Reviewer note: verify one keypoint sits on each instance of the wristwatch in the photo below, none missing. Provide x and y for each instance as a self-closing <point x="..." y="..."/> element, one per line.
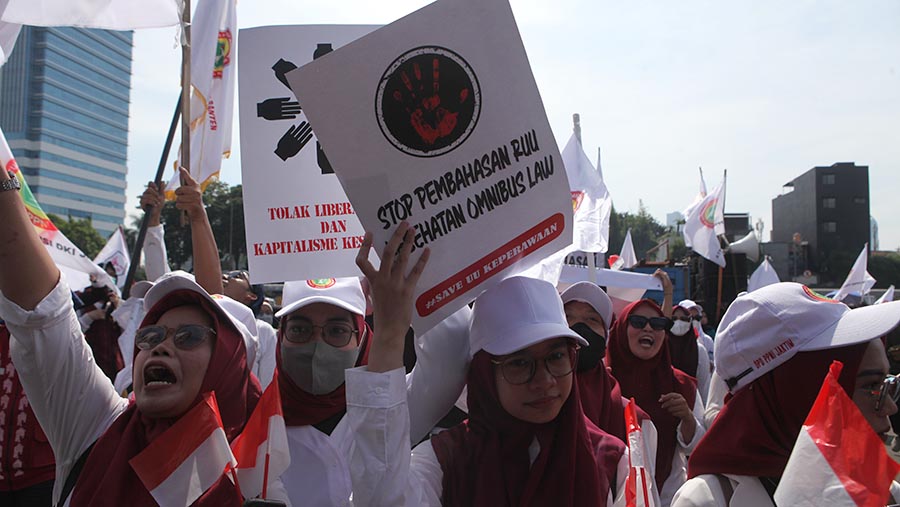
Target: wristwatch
<point x="11" y="184"/>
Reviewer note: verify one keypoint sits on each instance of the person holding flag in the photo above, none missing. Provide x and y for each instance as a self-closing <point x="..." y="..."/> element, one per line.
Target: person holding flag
<point x="774" y="348"/>
<point x="188" y="352"/>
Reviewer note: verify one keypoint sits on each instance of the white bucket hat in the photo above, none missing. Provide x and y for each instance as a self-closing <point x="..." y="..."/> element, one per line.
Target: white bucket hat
<point x="344" y="293"/>
<point x="515" y="314"/>
<point x="764" y="328"/>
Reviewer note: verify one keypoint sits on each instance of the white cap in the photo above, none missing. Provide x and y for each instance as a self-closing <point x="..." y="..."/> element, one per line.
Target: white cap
<point x="181" y="280"/>
<point x="243" y="315"/>
<point x="689" y="304"/>
<point x="344" y="293"/>
<point x="515" y="314"/>
<point x="590" y="293"/>
<point x="766" y="327"/>
<point x="139" y="289"/>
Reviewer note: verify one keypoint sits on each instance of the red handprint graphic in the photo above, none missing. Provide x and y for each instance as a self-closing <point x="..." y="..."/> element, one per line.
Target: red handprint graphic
<point x="428" y="102"/>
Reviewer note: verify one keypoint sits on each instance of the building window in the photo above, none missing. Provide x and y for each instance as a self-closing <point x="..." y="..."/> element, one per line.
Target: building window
<point x="828" y="179"/>
<point x="829" y="202"/>
<point x="859" y="200"/>
<point x="829" y="226"/>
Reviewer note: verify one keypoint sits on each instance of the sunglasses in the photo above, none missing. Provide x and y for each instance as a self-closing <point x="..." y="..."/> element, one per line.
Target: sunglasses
<point x="656" y="323"/>
<point x="336" y="334"/>
<point x="186" y="337"/>
<point x="518" y="370"/>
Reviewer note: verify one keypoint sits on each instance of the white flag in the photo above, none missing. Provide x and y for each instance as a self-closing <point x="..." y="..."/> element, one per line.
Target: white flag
<point x="8" y="34"/>
<point x="858" y="280"/>
<point x="627" y="258"/>
<point x="700" y="227"/>
<point x="115" y="252"/>
<point x="887" y="297"/>
<point x="109" y="14"/>
<point x="696" y="202"/>
<point x="764" y="275"/>
<point x="213" y="58"/>
<point x="590" y="200"/>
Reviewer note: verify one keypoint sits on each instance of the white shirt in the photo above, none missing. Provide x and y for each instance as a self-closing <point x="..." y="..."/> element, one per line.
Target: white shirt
<point x="156" y="261"/>
<point x="703" y="373"/>
<point x="679" y="460"/>
<point x="706" y="491"/>
<point x="715" y="400"/>
<point x="264" y="365"/>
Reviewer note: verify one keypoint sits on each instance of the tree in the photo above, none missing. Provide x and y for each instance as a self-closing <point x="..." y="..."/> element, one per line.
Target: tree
<point x="81" y="233"/>
<point x="885" y="269"/>
<point x="645" y="231"/>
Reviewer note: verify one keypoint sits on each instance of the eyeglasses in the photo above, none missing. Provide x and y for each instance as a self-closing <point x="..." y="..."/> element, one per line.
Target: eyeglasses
<point x="336" y="334"/>
<point x="890" y="386"/>
<point x="657" y="323"/>
<point x="520" y="370"/>
<point x="187" y="337"/>
<point x="240" y="274"/>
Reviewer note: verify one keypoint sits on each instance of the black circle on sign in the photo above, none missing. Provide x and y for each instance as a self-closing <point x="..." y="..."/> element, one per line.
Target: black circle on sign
<point x="428" y="101"/>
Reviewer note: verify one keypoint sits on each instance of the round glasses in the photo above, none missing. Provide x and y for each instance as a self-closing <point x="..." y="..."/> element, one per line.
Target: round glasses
<point x="518" y="370"/>
<point x="336" y="334"/>
<point x="890" y="386"/>
<point x="656" y="323"/>
<point x="186" y="337"/>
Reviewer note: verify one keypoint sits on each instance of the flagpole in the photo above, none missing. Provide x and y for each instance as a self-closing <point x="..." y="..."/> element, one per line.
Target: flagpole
<point x="592" y="264"/>
<point x="186" y="94"/>
<point x="145" y="222"/>
<point x="719" y="296"/>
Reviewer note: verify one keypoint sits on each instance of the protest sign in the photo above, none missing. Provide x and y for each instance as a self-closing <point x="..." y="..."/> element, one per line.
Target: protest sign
<point x="299" y="223"/>
<point x="436" y="120"/>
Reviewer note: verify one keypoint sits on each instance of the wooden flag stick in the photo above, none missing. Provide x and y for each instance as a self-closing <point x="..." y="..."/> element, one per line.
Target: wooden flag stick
<point x="186" y="94"/>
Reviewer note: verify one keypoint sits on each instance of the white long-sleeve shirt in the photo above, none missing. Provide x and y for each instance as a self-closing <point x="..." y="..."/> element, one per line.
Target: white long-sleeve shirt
<point x="322" y="466"/>
<point x="264" y="365"/>
<point x="679" y="460"/>
<point x="156" y="261"/>
<point x="707" y="491"/>
<point x="392" y="475"/>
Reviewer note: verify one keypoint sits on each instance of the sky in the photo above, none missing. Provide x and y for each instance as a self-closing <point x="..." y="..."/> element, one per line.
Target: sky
<point x="764" y="89"/>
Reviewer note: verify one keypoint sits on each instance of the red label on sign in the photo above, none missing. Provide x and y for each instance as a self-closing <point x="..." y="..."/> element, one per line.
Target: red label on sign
<point x="522" y="245"/>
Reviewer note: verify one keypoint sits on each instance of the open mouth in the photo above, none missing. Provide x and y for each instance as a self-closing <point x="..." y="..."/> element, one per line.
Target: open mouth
<point x="158" y="375"/>
<point x="646" y="341"/>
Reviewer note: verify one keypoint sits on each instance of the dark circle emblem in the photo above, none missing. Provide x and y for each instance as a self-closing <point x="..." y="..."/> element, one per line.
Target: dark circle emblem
<point x="428" y="102"/>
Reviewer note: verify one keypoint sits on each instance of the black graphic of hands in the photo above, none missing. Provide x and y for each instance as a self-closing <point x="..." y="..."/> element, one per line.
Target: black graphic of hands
<point x="293" y="140"/>
<point x="281" y="68"/>
<point x="278" y="109"/>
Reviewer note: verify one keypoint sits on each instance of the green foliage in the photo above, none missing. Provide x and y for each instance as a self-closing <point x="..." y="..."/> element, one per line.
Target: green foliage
<point x="81" y="233"/>
<point x="885" y="269"/>
<point x="645" y="231"/>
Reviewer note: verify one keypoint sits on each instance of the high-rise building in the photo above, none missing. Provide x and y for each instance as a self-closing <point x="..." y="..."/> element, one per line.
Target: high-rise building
<point x="64" y="98"/>
<point x="824" y="217"/>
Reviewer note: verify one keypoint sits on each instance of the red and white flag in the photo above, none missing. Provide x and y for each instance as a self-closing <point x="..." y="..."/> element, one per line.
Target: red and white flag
<point x="262" y="448"/>
<point x="639" y="490"/>
<point x="188" y="458"/>
<point x="838" y="460"/>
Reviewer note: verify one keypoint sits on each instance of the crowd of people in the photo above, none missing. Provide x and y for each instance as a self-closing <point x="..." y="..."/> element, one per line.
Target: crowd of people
<point x="541" y="381"/>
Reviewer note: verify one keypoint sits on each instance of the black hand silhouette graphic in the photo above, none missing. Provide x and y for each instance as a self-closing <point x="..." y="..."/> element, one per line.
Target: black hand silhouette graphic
<point x="293" y="140"/>
<point x="281" y="68"/>
<point x="278" y="109"/>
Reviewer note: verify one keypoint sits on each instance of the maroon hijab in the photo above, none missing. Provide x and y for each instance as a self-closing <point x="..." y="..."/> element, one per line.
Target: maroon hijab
<point x="304" y="409"/>
<point x="485" y="460"/>
<point x="602" y="401"/>
<point x="757" y="428"/>
<point x="107" y="477"/>
<point x="646" y="381"/>
<point x="683" y="349"/>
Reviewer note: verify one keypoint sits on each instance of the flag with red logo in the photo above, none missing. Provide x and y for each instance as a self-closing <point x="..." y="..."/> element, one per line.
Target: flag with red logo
<point x="639" y="489"/>
<point x="188" y="458"/>
<point x="591" y="203"/>
<point x="838" y="458"/>
<point x="701" y="223"/>
<point x="213" y="59"/>
<point x="262" y="448"/>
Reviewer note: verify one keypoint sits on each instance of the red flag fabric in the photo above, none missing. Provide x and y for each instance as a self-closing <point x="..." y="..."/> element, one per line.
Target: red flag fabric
<point x="838" y="459"/>
<point x="639" y="490"/>
<point x="261" y="449"/>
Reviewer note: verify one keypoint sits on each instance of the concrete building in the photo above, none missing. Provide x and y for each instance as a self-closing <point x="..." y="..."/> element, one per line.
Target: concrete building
<point x="824" y="217"/>
<point x="64" y="100"/>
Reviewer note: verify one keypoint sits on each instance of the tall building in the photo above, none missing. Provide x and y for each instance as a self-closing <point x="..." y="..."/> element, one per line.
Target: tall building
<point x="64" y="98"/>
<point x="824" y="217"/>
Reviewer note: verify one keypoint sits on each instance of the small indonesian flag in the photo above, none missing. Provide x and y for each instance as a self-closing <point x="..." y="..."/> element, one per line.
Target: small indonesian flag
<point x="639" y="488"/>
<point x="838" y="459"/>
<point x="188" y="458"/>
<point x="262" y="448"/>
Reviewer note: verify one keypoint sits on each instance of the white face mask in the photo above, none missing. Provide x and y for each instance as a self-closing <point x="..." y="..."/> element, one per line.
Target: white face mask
<point x="680" y="328"/>
<point x="316" y="367"/>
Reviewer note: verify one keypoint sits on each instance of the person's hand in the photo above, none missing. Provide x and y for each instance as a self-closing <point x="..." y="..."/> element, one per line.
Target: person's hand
<point x="114" y="299"/>
<point x="189" y="198"/>
<point x="677" y="406"/>
<point x="667" y="291"/>
<point x="392" y="292"/>
<point x="97" y="314"/>
<point x="152" y="201"/>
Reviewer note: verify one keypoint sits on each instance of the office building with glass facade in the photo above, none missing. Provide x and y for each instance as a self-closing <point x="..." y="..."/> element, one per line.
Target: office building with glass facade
<point x="64" y="98"/>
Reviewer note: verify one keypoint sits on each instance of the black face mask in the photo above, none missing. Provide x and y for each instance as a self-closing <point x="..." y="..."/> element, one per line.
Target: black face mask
<point x="589" y="357"/>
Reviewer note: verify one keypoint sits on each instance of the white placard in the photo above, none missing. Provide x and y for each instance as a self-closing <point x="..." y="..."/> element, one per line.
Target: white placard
<point x="436" y="119"/>
<point x="299" y="222"/>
